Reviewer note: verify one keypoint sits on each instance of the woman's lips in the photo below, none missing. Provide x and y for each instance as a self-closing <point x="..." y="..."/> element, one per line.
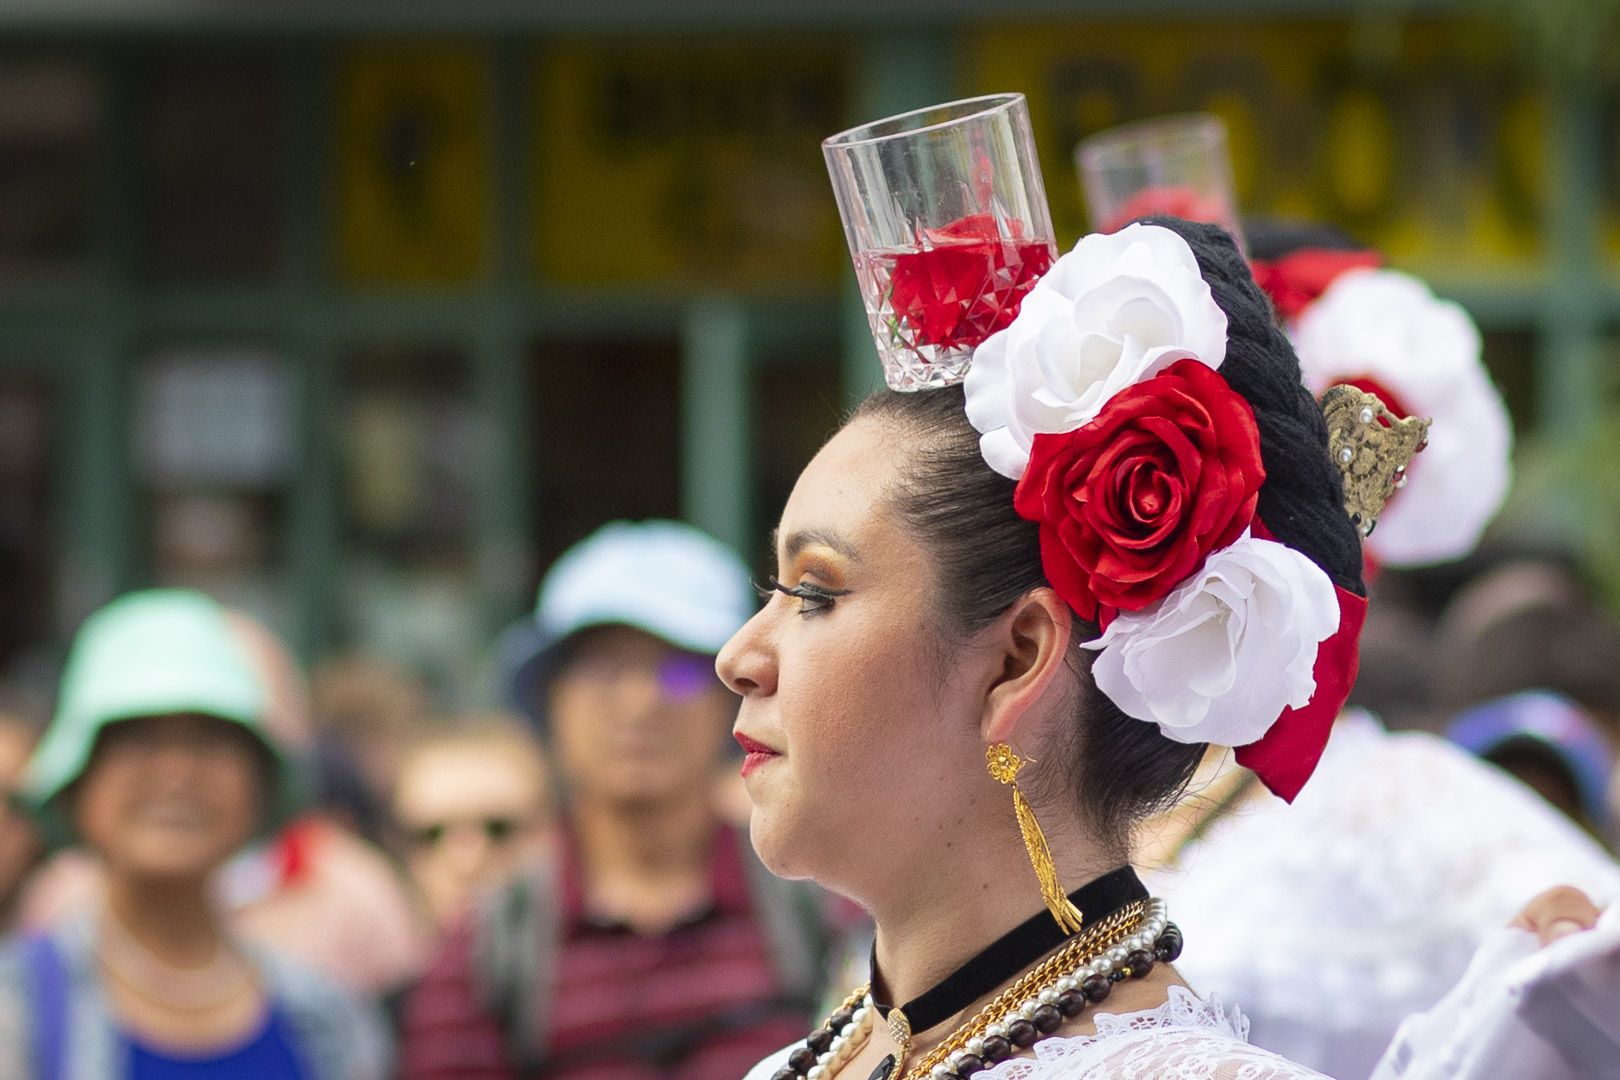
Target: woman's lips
<point x="758" y="753"/>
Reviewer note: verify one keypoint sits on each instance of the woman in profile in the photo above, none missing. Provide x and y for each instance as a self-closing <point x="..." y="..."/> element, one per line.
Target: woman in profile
<point x="158" y="762"/>
<point x="996" y="640"/>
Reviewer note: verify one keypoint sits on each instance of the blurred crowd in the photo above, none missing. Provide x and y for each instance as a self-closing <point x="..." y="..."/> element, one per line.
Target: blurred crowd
<point x="208" y="846"/>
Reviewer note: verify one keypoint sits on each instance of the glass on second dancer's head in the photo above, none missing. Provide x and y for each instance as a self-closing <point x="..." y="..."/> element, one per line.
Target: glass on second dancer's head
<point x="948" y="227"/>
<point x="1173" y="165"/>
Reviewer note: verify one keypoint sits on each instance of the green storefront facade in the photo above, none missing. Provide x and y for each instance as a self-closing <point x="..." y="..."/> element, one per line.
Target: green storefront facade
<point x="357" y="313"/>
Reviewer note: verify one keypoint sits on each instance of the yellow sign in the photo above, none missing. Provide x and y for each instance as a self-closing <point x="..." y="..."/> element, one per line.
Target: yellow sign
<point x="413" y="174"/>
<point x="689" y="165"/>
<point x="1435" y="159"/>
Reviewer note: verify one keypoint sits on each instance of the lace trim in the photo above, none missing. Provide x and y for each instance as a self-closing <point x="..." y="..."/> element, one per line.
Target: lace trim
<point x="1119" y="1037"/>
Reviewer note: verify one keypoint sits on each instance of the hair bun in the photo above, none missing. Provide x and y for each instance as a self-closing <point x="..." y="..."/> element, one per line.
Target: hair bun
<point x="1302" y="500"/>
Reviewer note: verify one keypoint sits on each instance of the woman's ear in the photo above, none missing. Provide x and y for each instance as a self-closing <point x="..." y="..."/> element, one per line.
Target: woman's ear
<point x="1032" y="638"/>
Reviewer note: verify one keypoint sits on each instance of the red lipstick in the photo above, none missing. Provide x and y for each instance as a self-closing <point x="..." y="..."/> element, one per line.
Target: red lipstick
<point x="758" y="753"/>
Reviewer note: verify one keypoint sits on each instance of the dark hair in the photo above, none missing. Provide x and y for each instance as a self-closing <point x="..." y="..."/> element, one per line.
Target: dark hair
<point x="1119" y="768"/>
<point x="1275" y="238"/>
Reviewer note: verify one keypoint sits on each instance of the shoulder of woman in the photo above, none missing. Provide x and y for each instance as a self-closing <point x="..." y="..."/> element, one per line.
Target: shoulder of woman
<point x="25" y="960"/>
<point x="344" y="1033"/>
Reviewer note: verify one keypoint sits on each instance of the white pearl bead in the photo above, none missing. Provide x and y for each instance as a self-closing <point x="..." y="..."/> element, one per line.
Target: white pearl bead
<point x="848" y="1032"/>
<point x="1102" y="965"/>
<point x="818" y="1072"/>
<point x="1117" y="954"/>
<point x="998" y="1029"/>
<point x="825" y="1059"/>
<point x="1027" y="1009"/>
<point x="1048" y="996"/>
<point x="1067" y="984"/>
<point x="940" y="1072"/>
<point x="975" y="1046"/>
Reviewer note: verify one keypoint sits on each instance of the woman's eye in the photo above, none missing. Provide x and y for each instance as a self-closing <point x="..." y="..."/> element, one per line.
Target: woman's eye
<point x="812" y="598"/>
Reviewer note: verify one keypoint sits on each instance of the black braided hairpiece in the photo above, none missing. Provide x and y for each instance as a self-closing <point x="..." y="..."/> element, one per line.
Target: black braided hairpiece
<point x="1302" y="500"/>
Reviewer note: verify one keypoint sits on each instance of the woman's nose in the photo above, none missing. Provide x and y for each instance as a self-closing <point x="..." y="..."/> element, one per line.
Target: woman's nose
<point x="747" y="663"/>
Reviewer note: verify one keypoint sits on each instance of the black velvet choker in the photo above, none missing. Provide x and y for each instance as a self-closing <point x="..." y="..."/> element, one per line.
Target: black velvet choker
<point x="1011" y="953"/>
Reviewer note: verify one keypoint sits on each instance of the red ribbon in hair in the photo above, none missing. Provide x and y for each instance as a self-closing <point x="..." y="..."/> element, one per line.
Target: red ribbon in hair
<point x="1295" y="281"/>
<point x="1286" y="755"/>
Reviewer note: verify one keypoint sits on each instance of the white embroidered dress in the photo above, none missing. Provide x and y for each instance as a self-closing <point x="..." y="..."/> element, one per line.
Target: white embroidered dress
<point x="1332" y="920"/>
<point x="1184" y="1039"/>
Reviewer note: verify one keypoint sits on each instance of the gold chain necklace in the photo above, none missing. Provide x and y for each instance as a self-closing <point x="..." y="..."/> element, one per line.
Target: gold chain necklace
<point x="1094" y="942"/>
<point x="128" y="960"/>
<point x="1127" y="943"/>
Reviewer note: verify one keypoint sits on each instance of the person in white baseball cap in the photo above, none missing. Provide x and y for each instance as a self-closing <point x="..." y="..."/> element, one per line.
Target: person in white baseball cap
<point x="666" y="579"/>
<point x="653" y="892"/>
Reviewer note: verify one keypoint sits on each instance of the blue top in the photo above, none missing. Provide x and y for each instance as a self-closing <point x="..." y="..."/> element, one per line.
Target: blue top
<point x="268" y="1055"/>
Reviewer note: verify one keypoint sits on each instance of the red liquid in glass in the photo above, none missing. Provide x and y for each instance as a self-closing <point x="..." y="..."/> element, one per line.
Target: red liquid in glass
<point x="954" y="293"/>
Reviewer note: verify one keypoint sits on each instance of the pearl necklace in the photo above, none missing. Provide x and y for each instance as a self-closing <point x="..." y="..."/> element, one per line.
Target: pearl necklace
<point x="1126" y="944"/>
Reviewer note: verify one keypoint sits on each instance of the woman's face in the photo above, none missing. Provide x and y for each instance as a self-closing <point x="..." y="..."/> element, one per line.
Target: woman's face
<point x="635" y="720"/>
<point x="869" y="720"/>
<point x="170" y="796"/>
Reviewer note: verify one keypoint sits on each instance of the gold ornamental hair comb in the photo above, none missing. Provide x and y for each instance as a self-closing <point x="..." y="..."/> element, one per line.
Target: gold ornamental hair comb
<point x="1372" y="448"/>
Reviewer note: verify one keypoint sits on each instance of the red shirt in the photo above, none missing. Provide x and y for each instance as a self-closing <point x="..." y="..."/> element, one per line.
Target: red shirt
<point x="696" y="1003"/>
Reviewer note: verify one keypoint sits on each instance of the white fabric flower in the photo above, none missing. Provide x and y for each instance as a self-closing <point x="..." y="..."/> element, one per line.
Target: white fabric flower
<point x="1387" y="326"/>
<point x="1118" y="309"/>
<point x="1220" y="657"/>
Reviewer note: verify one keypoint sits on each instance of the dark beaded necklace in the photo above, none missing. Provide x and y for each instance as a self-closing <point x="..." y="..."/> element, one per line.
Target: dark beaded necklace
<point x="1036" y="1018"/>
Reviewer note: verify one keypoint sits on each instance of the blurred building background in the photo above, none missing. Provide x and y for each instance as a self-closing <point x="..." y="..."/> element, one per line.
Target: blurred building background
<point x="356" y="313"/>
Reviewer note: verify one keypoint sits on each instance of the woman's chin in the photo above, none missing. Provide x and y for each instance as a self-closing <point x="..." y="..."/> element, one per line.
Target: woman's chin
<point x="774" y="846"/>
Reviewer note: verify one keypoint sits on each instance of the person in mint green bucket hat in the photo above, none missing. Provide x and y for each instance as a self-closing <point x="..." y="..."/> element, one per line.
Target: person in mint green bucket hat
<point x="157" y="761"/>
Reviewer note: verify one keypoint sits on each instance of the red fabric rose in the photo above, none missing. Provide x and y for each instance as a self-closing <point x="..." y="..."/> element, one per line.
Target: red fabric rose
<point x="1131" y="503"/>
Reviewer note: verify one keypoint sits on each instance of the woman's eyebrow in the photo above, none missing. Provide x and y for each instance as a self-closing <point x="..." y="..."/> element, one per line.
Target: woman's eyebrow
<point x="796" y="542"/>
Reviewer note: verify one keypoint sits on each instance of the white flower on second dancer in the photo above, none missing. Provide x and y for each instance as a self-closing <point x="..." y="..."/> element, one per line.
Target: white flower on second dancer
<point x="1387" y="326"/>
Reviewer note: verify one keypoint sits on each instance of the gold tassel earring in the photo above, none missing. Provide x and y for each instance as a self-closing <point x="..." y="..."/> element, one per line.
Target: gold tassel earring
<point x="1004" y="764"/>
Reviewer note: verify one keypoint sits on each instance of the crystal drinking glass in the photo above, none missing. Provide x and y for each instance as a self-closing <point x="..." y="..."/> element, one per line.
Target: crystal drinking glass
<point x="948" y="226"/>
<point x="1175" y="165"/>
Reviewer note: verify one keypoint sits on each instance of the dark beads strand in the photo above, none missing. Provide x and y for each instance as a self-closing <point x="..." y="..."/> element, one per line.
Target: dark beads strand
<point x="1168" y="947"/>
<point x="1021" y="1033"/>
<point x="1071" y="1003"/>
<point x="818" y="1042"/>
<point x="1047" y="1019"/>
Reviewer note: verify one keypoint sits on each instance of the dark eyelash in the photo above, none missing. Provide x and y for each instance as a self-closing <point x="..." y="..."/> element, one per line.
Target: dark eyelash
<point x="803" y="591"/>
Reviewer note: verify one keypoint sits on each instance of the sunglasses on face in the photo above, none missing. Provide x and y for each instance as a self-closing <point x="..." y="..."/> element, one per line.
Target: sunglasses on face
<point x="681" y="677"/>
<point x="498" y="831"/>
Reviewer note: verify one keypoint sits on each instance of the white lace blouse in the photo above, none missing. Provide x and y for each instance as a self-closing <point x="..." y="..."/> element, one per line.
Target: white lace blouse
<point x="1184" y="1039"/>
